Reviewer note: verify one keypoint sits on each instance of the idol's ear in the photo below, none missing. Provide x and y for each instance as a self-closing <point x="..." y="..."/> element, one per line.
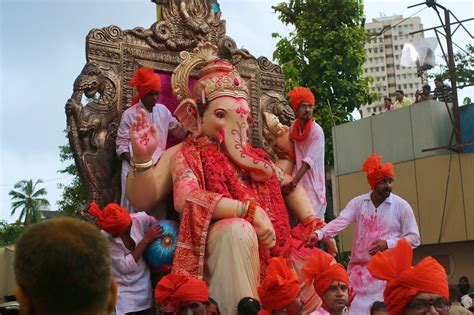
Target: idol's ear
<point x="187" y="114"/>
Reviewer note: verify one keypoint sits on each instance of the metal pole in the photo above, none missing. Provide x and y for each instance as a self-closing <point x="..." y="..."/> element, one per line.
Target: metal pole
<point x="452" y="75"/>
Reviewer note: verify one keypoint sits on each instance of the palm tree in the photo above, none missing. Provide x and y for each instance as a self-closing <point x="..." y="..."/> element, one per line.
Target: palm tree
<point x="28" y="199"/>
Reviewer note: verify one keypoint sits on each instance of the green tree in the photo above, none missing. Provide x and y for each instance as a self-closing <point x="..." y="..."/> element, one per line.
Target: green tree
<point x="325" y="52"/>
<point x="74" y="194"/>
<point x="9" y="233"/>
<point x="464" y="62"/>
<point x="27" y="197"/>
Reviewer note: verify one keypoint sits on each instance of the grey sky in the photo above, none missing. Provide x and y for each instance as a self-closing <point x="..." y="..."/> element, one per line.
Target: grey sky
<point x="42" y="52"/>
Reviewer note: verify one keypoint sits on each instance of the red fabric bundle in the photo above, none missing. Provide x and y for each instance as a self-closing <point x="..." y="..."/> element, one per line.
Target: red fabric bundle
<point x="321" y="270"/>
<point x="280" y="286"/>
<point x="175" y="288"/>
<point x="405" y="281"/>
<point x="146" y="80"/>
<point x="375" y="170"/>
<point x="300" y="94"/>
<point x="113" y="218"/>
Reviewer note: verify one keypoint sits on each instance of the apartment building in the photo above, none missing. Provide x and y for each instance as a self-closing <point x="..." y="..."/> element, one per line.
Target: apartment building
<point x="383" y="60"/>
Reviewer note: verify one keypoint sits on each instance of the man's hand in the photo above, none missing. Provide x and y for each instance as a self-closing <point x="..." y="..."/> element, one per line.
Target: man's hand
<point x="153" y="233"/>
<point x="311" y="240"/>
<point x="288" y="188"/>
<point x="126" y="156"/>
<point x="379" y="245"/>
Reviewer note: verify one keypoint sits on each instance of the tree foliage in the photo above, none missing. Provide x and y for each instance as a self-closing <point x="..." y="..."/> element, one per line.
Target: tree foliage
<point x="464" y="62"/>
<point x="325" y="52"/>
<point x="27" y="197"/>
<point x="74" y="194"/>
<point x="9" y="233"/>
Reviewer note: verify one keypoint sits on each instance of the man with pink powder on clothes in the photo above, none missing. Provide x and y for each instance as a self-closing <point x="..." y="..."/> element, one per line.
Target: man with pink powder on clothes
<point x="381" y="218"/>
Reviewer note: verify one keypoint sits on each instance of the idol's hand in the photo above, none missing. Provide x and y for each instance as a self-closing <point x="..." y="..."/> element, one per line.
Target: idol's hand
<point x="143" y="137"/>
<point x="264" y="228"/>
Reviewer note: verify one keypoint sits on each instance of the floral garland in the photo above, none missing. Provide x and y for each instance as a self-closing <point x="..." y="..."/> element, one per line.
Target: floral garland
<point x="221" y="177"/>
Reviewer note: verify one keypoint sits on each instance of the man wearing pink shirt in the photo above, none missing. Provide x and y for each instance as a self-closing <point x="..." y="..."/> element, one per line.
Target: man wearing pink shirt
<point x="308" y="138"/>
<point x="381" y="218"/>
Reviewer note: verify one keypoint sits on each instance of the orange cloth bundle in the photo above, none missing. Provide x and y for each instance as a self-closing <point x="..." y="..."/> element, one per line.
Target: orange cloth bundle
<point x="375" y="170"/>
<point x="175" y="288"/>
<point x="300" y="94"/>
<point x="146" y="80"/>
<point x="321" y="271"/>
<point x="405" y="281"/>
<point x="113" y="218"/>
<point x="279" y="288"/>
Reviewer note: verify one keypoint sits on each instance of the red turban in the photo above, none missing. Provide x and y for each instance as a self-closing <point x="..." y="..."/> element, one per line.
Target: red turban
<point x="321" y="270"/>
<point x="280" y="286"/>
<point x="376" y="171"/>
<point x="300" y="94"/>
<point x="113" y="218"/>
<point x="146" y="80"/>
<point x="175" y="288"/>
<point x="405" y="281"/>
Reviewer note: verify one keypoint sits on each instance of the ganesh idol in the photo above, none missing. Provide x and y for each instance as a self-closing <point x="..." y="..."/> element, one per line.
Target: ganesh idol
<point x="233" y="217"/>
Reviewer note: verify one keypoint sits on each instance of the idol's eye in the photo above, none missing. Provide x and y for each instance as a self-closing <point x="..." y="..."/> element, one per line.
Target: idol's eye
<point x="219" y="114"/>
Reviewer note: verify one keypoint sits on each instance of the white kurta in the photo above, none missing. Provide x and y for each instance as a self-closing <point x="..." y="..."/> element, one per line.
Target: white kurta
<point x="135" y="293"/>
<point x="392" y="220"/>
<point x="164" y="121"/>
<point x="311" y="151"/>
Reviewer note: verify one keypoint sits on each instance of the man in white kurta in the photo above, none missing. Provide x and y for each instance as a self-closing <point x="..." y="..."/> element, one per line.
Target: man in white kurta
<point x="311" y="152"/>
<point x="133" y="277"/>
<point x="308" y="139"/>
<point x="381" y="218"/>
<point x="165" y="122"/>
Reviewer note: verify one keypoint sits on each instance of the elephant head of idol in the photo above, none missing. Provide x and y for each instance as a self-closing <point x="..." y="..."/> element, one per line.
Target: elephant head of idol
<point x="217" y="107"/>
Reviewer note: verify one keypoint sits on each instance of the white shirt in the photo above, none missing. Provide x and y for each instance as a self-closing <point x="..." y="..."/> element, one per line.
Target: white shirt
<point x="311" y="152"/>
<point x="392" y="220"/>
<point x="135" y="293"/>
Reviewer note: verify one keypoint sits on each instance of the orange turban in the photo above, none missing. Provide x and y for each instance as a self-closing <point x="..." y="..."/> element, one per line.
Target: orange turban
<point x="405" y="281"/>
<point x="300" y="94"/>
<point x="376" y="171"/>
<point x="322" y="271"/>
<point x="279" y="288"/>
<point x="175" y="288"/>
<point x="113" y="218"/>
<point x="146" y="80"/>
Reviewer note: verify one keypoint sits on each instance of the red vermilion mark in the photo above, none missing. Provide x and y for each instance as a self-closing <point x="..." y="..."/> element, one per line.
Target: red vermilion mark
<point x="144" y="139"/>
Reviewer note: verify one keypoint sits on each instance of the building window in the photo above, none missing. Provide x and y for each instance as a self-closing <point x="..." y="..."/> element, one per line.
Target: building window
<point x="390" y="65"/>
<point x="383" y="68"/>
<point x="391" y="75"/>
<point x="388" y="46"/>
<point x="392" y="85"/>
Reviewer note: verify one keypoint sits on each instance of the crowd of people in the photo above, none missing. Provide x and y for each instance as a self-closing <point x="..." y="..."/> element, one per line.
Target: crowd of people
<point x="87" y="271"/>
<point x="77" y="277"/>
<point x="442" y="93"/>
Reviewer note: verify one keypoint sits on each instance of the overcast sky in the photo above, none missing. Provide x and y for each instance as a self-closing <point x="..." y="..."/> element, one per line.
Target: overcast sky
<point x="42" y="51"/>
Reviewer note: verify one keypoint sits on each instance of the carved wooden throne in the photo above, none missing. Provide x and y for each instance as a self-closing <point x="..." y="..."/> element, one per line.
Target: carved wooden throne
<point x="113" y="55"/>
